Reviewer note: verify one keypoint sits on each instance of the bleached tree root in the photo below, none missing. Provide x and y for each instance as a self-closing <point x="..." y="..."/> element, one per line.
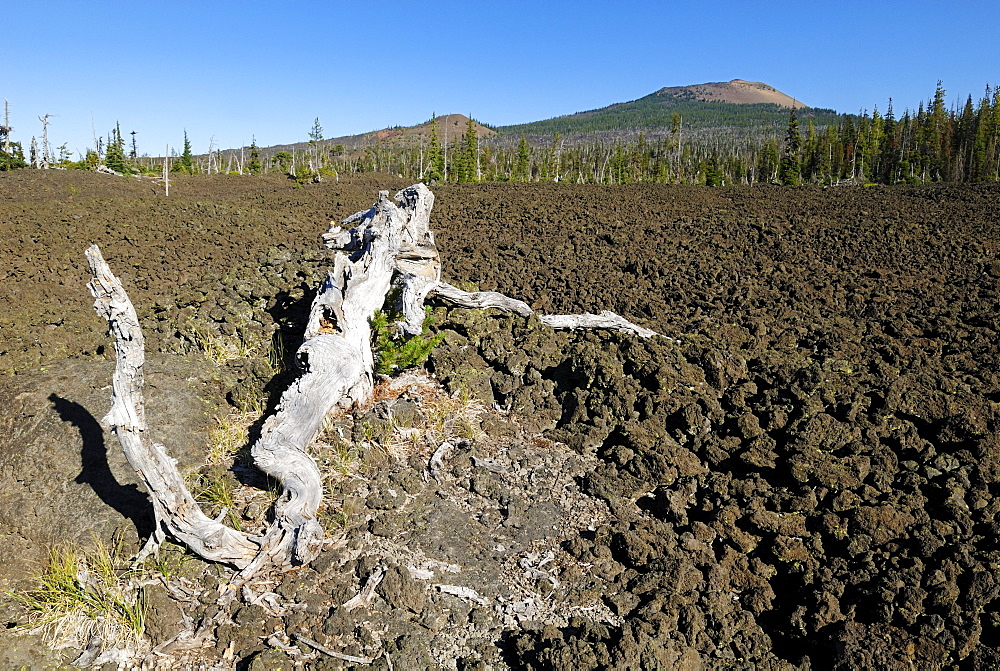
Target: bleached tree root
<point x="177" y="513"/>
<point x="336" y="358"/>
<point x="490" y="299"/>
<point x="480" y="299"/>
<point x="389" y="244"/>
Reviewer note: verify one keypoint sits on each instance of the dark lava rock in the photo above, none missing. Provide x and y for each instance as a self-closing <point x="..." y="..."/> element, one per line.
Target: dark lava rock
<point x="63" y="477"/>
<point x="807" y="476"/>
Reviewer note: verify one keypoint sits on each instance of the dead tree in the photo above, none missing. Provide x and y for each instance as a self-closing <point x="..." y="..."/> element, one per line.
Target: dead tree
<point x="166" y="172"/>
<point x="389" y="244"/>
<point x="46" y="151"/>
<point x="6" y="130"/>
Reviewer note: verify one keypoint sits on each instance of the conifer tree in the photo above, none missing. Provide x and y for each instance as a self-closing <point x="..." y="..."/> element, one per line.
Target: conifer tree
<point x="435" y="157"/>
<point x="888" y="160"/>
<point x="767" y="162"/>
<point x="521" y="173"/>
<point x="185" y="163"/>
<point x="675" y="131"/>
<point x="790" y="171"/>
<point x="12" y="158"/>
<point x="470" y="153"/>
<point x="980" y="146"/>
<point x="315" y="137"/>
<point x="935" y="135"/>
<point x="114" y="156"/>
<point x="316" y="134"/>
<point x="810" y="153"/>
<point x="254" y="167"/>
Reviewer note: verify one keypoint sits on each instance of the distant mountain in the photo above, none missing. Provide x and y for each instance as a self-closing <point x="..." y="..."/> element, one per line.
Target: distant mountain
<point x="732" y="107"/>
<point x="451" y="126"/>
<point x="736" y="91"/>
<point x="737" y="103"/>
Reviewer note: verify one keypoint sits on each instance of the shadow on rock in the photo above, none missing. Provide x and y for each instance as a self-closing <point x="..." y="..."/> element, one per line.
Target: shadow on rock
<point x="95" y="471"/>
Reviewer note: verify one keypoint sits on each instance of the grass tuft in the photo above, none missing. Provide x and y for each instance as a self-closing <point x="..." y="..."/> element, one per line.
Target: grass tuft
<point x="82" y="593"/>
<point x="220" y="350"/>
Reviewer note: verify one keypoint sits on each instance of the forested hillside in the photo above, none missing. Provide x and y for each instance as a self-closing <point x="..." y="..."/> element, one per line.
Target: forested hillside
<point x="657" y="111"/>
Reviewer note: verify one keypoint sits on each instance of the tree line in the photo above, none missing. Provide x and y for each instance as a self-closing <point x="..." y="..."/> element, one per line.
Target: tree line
<point x="933" y="144"/>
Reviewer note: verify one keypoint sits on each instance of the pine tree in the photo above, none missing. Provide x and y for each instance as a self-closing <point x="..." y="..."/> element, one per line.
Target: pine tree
<point x="993" y="161"/>
<point x="811" y="152"/>
<point x="555" y="158"/>
<point x="935" y="135"/>
<point x="285" y="161"/>
<point x="713" y="176"/>
<point x="254" y="167"/>
<point x="435" y="157"/>
<point x="790" y="170"/>
<point x="114" y="157"/>
<point x="767" y="162"/>
<point x="521" y="167"/>
<point x="470" y="153"/>
<point x="316" y="134"/>
<point x="675" y="132"/>
<point x="315" y="137"/>
<point x="984" y="131"/>
<point x="12" y="158"/>
<point x="888" y="161"/>
<point x="185" y="163"/>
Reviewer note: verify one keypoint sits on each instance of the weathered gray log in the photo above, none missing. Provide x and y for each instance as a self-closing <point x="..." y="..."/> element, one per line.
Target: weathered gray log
<point x="416" y="261"/>
<point x="480" y="299"/>
<point x="338" y="370"/>
<point x="606" y="320"/>
<point x="177" y="513"/>
<point x="336" y="358"/>
<point x="491" y="299"/>
<point x="391" y="242"/>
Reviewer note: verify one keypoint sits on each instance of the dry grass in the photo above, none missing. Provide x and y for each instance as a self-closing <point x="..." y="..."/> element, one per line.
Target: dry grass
<point x="82" y="593"/>
<point x="442" y="418"/>
<point x="229" y="443"/>
<point x="231" y="434"/>
<point x="223" y="349"/>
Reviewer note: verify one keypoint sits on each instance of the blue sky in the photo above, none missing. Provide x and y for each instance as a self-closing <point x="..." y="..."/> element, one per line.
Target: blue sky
<point x="227" y="71"/>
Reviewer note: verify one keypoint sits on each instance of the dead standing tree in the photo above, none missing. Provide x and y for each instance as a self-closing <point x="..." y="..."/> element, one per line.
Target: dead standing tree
<point x="390" y="244"/>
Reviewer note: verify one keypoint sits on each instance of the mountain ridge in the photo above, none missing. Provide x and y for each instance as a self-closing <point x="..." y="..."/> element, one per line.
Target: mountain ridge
<point x="738" y="103"/>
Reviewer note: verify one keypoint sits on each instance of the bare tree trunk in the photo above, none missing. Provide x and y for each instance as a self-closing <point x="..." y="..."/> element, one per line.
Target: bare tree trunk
<point x="97" y="143"/>
<point x="6" y="125"/>
<point x="46" y="152"/>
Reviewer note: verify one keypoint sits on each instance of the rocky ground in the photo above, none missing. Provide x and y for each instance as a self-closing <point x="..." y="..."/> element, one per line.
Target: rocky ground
<point x="803" y="474"/>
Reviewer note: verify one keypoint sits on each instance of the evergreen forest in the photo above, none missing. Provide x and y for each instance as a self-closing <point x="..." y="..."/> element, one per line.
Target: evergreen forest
<point x="698" y="143"/>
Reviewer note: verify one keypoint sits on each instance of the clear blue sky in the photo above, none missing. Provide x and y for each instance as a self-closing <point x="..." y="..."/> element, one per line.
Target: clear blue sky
<point x="233" y="70"/>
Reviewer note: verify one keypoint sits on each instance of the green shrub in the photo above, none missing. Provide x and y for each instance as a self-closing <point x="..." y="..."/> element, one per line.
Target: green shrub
<point x="392" y="354"/>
